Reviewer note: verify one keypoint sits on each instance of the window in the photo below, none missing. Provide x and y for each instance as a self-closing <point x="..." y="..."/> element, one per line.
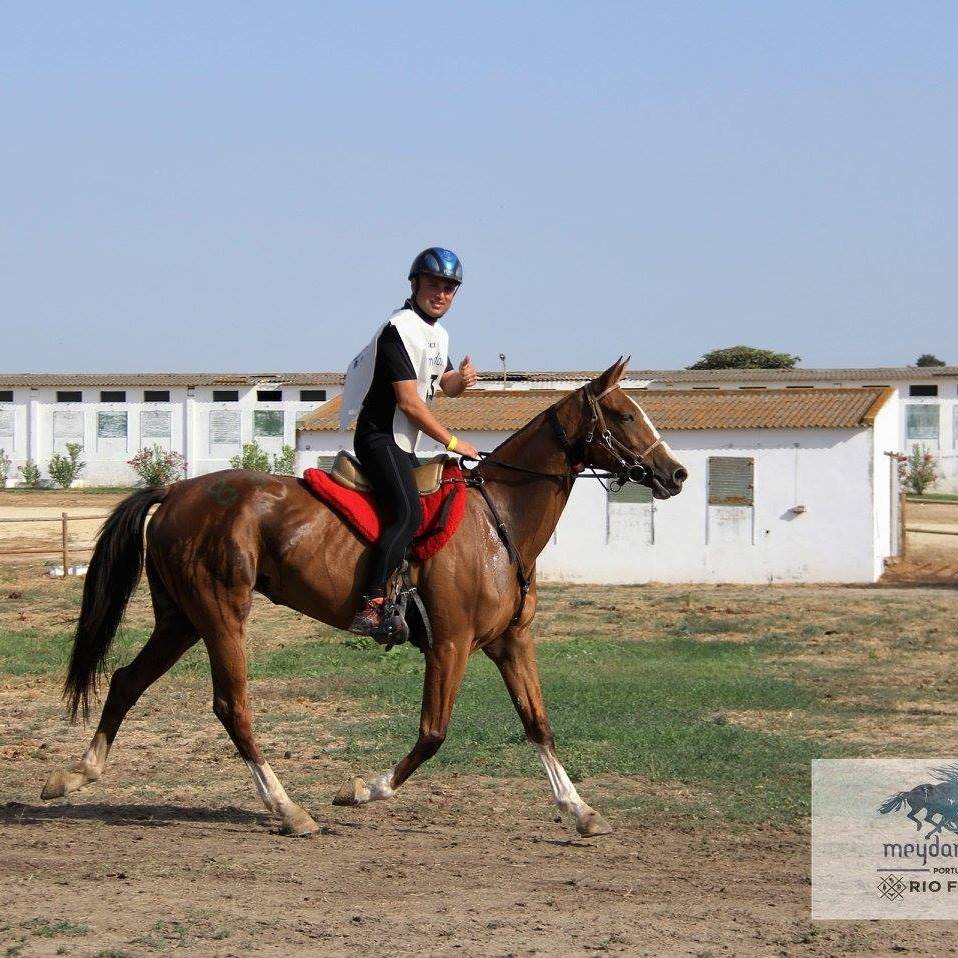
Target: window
<point x="156" y="395"/>
<point x="325" y="462"/>
<point x="921" y="422"/>
<point x="224" y="427"/>
<point x="312" y="395"/>
<point x="67" y="427"/>
<point x="923" y="389"/>
<point x="112" y="395"/>
<point x="68" y="395"/>
<point x="267" y="423"/>
<point x="731" y="481"/>
<point x="753" y="387"/>
<point x="799" y="387"/>
<point x="154" y="424"/>
<point x="6" y="424"/>
<point x="6" y="395"/>
<point x="111" y="425"/>
<point x="954" y="428"/>
<point x="632" y="492"/>
<point x="225" y="395"/>
<point x="269" y="395"/>
<point x="629" y="516"/>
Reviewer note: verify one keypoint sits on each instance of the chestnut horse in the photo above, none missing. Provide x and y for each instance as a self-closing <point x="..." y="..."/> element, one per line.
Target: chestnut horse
<point x="216" y="539"/>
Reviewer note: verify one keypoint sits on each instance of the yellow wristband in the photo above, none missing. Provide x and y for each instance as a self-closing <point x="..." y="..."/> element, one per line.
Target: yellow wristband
<point x="451" y="445"/>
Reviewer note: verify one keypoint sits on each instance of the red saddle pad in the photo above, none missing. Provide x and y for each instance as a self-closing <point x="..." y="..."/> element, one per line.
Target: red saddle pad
<point x="442" y="510"/>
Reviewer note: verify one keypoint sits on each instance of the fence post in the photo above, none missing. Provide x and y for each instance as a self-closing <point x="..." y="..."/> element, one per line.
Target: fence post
<point x="63" y="531"/>
<point x="902" y="531"/>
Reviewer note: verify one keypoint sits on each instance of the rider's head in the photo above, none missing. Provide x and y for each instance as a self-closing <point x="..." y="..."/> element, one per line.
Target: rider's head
<point x="435" y="276"/>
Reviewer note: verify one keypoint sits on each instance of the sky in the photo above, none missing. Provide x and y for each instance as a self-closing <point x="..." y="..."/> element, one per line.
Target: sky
<point x="242" y="186"/>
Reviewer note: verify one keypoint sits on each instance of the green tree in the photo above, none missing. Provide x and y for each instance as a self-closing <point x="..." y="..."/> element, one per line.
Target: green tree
<point x="4" y="468"/>
<point x="156" y="466"/>
<point x="745" y="357"/>
<point x="285" y="463"/>
<point x="30" y="474"/>
<point x="919" y="470"/>
<point x="252" y="458"/>
<point x="65" y="469"/>
<point x="927" y="359"/>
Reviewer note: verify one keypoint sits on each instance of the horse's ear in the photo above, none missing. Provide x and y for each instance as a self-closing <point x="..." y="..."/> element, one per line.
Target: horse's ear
<point x="612" y="375"/>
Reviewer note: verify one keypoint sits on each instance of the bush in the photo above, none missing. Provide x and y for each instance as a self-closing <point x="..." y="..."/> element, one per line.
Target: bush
<point x="252" y="458"/>
<point x="919" y="470"/>
<point x="4" y="468"/>
<point x="285" y="463"/>
<point x="745" y="357"/>
<point x="156" y="466"/>
<point x="30" y="474"/>
<point x="64" y="470"/>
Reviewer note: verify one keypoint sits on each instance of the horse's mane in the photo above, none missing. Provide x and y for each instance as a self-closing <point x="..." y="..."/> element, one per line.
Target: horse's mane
<point x="532" y="422"/>
<point x="949" y="773"/>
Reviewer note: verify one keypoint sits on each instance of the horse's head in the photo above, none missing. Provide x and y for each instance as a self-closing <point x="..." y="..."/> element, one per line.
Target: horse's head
<point x="614" y="433"/>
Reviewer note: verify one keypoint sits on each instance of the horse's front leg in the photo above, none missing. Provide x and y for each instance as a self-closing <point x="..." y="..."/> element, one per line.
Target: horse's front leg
<point x="445" y="667"/>
<point x="515" y="657"/>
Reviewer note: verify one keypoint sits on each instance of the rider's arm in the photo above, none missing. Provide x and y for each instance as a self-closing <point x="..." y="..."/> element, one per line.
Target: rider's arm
<point x="455" y="382"/>
<point x="418" y="413"/>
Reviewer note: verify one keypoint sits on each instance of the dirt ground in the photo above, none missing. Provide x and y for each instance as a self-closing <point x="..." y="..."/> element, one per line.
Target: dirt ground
<point x="170" y="853"/>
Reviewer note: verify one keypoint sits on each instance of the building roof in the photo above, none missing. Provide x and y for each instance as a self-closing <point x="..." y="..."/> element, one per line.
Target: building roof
<point x="666" y="377"/>
<point x="506" y="410"/>
<point x="880" y="374"/>
<point x="47" y="380"/>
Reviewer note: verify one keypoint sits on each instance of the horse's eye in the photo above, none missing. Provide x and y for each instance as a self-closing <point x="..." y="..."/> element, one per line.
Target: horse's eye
<point x="626" y="417"/>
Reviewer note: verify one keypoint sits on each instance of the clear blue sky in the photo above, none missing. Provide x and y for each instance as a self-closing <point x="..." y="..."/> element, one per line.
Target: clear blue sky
<point x="237" y="186"/>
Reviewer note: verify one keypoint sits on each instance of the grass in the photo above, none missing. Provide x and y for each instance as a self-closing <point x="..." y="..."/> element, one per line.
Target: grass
<point x="934" y="497"/>
<point x="713" y="699"/>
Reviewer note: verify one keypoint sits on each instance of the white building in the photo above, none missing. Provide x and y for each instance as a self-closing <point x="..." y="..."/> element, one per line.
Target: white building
<point x="784" y="486"/>
<point x="928" y="410"/>
<point x="204" y="416"/>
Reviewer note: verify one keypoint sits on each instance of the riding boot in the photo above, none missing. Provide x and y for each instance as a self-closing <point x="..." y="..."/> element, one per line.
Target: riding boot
<point x="370" y="617"/>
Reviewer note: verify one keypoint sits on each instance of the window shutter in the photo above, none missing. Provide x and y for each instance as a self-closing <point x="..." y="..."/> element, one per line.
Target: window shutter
<point x="325" y="463"/>
<point x="632" y="492"/>
<point x="731" y="481"/>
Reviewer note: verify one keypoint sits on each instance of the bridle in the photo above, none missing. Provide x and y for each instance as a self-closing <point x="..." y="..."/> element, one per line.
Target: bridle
<point x="633" y="467"/>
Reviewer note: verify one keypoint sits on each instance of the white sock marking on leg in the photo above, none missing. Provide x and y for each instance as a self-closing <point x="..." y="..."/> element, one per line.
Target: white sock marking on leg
<point x="270" y="788"/>
<point x="563" y="791"/>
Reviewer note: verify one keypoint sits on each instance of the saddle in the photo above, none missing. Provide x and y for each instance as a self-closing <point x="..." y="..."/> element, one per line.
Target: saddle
<point x="442" y="496"/>
<point x="347" y="471"/>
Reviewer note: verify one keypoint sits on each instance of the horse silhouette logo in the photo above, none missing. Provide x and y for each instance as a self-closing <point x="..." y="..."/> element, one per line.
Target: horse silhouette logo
<point x="936" y="798"/>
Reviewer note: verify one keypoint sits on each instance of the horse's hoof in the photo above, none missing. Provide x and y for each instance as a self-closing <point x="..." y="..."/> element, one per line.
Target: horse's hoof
<point x="354" y="792"/>
<point x="297" y="824"/>
<point x="592" y="824"/>
<point x="62" y="783"/>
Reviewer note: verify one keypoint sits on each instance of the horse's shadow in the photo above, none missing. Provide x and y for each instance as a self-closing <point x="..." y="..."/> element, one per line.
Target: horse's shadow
<point x="148" y="816"/>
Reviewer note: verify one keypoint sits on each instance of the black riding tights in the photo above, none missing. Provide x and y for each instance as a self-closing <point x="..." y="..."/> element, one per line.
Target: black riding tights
<point x="390" y="471"/>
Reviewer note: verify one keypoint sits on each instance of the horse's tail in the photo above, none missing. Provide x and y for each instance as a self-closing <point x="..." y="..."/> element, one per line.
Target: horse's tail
<point x="112" y="576"/>
<point x="893" y="804"/>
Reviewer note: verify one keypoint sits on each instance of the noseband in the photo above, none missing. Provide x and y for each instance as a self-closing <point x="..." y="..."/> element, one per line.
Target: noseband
<point x="632" y="467"/>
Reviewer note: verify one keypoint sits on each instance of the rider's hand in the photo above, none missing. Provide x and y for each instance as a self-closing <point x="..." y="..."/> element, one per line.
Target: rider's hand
<point x="468" y="373"/>
<point x="464" y="448"/>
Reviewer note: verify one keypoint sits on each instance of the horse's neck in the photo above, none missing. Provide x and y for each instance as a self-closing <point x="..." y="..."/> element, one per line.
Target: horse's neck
<point x="530" y="505"/>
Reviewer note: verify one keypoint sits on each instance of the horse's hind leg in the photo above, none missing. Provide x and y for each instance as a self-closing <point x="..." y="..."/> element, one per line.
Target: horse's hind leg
<point x="515" y="657"/>
<point x="227" y="651"/>
<point x="171" y="637"/>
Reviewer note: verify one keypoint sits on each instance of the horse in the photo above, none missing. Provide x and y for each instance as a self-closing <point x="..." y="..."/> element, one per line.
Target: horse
<point x="218" y="538"/>
<point x="939" y="798"/>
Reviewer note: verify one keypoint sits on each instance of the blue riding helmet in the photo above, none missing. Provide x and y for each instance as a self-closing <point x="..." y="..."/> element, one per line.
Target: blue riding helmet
<point x="437" y="261"/>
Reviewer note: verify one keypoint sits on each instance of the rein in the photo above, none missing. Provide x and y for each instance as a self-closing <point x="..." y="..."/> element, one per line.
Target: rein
<point x="632" y="469"/>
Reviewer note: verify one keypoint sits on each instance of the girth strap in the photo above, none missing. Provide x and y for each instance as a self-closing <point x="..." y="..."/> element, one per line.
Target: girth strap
<point x="511" y="550"/>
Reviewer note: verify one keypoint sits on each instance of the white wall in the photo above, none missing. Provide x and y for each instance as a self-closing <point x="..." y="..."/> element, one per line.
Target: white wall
<point x="36" y="415"/>
<point x="830" y="472"/>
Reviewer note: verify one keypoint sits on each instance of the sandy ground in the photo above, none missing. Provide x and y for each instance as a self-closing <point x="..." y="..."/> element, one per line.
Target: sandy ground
<point x="169" y="854"/>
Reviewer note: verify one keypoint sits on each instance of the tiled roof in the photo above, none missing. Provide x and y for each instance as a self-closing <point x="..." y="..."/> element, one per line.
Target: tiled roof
<point x="50" y="380"/>
<point x="506" y="410"/>
<point x="881" y="374"/>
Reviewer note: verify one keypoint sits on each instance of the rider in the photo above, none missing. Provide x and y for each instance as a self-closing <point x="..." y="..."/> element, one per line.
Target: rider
<point x="389" y="385"/>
